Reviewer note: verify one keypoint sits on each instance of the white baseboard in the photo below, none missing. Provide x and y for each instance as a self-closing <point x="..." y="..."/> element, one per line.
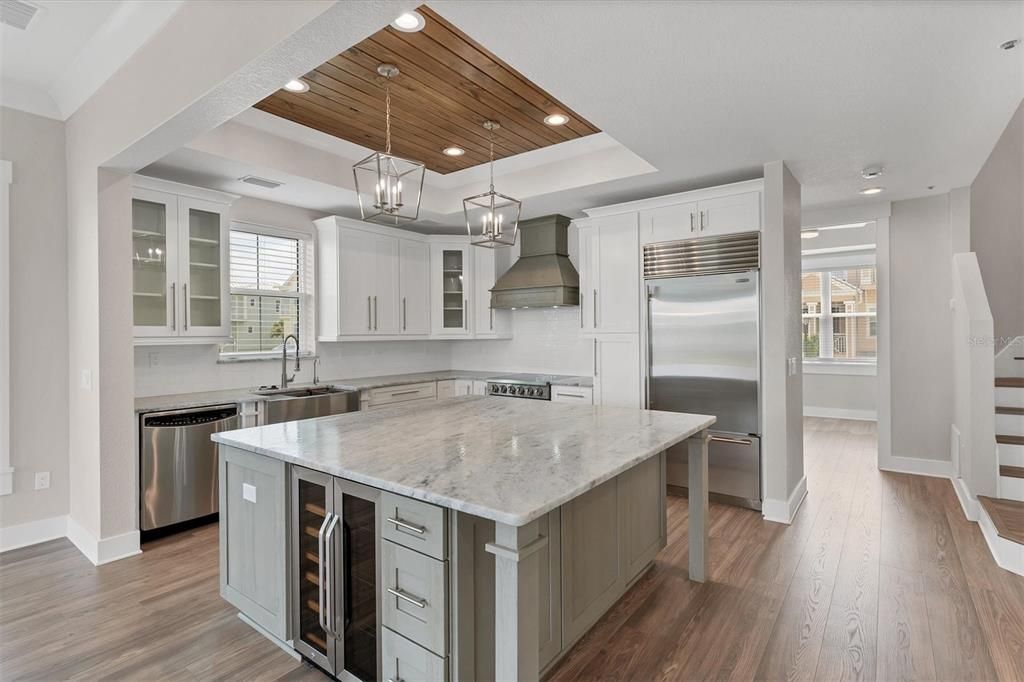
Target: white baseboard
<point x="837" y="413"/>
<point x="106" y="550"/>
<point x="968" y="503"/>
<point x="940" y="468"/>
<point x="33" y="532"/>
<point x="1008" y="554"/>
<point x="784" y="511"/>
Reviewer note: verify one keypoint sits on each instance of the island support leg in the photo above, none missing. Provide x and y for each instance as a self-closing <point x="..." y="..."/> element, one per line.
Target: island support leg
<point x="698" y="505"/>
<point x="516" y="601"/>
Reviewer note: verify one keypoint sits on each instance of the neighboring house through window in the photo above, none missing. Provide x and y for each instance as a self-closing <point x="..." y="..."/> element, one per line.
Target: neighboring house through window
<point x="270" y="298"/>
<point x="839" y="310"/>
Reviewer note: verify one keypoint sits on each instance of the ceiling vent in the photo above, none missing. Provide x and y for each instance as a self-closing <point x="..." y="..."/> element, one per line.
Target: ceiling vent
<point x="261" y="182"/>
<point x="17" y="13"/>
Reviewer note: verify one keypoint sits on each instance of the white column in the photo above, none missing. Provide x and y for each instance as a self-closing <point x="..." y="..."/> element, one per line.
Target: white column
<point x="516" y="601"/>
<point x="698" y="505"/>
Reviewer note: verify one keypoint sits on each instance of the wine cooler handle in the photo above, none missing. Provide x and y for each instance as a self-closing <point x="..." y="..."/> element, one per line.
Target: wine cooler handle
<point x="322" y="584"/>
<point x="330" y="617"/>
<point x="346" y="562"/>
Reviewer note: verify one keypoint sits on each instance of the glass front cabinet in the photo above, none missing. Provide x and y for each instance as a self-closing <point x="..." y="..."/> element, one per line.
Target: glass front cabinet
<point x="179" y="263"/>
<point x="451" y="280"/>
<point x="335" y="607"/>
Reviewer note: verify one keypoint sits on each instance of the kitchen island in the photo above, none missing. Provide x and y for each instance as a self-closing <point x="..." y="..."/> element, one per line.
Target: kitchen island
<point x="501" y="529"/>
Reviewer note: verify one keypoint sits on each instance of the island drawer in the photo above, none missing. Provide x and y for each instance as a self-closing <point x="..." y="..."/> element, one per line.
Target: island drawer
<point x="415" y="596"/>
<point x="401" y="394"/>
<point x="414" y="524"/>
<point x="405" y="660"/>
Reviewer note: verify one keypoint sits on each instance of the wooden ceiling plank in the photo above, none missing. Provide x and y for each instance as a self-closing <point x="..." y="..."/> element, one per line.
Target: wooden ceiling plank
<point x="401" y="116"/>
<point x="443" y="31"/>
<point x="312" y="106"/>
<point x="416" y="79"/>
<point x="411" y="106"/>
<point x="467" y="78"/>
<point x="493" y="107"/>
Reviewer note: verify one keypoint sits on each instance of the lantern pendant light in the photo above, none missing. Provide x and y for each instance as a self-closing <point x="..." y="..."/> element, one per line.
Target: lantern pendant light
<point x="493" y="216"/>
<point x="389" y="187"/>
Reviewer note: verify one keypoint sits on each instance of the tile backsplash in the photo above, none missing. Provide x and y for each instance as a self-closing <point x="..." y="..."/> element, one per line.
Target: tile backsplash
<point x="545" y="340"/>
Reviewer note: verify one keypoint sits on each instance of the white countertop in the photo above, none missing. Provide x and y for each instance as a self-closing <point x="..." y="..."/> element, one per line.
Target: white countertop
<point x="511" y="461"/>
<point x="181" y="401"/>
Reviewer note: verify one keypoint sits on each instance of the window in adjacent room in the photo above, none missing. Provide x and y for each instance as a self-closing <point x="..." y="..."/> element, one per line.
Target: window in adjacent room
<point x="839" y="310"/>
<point x="270" y="295"/>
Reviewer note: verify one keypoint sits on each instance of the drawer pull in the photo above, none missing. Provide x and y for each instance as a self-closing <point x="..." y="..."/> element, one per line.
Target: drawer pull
<point x="408" y="526"/>
<point x="570" y="395"/>
<point x="404" y="393"/>
<point x="412" y="600"/>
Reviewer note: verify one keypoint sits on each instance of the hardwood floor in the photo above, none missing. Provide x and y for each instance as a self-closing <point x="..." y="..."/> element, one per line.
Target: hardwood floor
<point x="879" y="577"/>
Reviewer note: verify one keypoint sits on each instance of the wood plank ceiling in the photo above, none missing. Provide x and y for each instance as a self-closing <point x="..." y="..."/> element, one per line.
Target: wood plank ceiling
<point x="448" y="86"/>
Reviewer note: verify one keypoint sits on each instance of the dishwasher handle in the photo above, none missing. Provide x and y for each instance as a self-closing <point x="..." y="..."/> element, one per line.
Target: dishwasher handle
<point x="192" y="417"/>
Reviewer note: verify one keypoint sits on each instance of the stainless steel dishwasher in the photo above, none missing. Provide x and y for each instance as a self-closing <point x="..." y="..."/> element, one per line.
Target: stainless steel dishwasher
<point x="178" y="467"/>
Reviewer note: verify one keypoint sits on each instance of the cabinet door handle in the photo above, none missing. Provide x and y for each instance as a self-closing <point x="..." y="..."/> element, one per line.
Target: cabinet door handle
<point x="702" y="221"/>
<point x="401" y="594"/>
<point x="595" y="357"/>
<point x="581" y="310"/>
<point x="403" y="314"/>
<point x="406" y="525"/>
<point x="465" y="314"/>
<point x="595" y="310"/>
<point x="692" y="226"/>
<point x="185" y="289"/>
<point x="492" y="319"/>
<point x="369" y="313"/>
<point x="376" y="316"/>
<point x="174" y="309"/>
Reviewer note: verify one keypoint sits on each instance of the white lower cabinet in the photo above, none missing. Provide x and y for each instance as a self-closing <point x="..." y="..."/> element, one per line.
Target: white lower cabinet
<point x="617" y="375"/>
<point x="407" y="661"/>
<point x="415" y="599"/>
<point x="583" y="395"/>
<point x="479" y="387"/>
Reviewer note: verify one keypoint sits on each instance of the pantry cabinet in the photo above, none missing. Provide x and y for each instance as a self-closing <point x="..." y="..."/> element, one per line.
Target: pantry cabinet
<point x="609" y="275"/>
<point x="180" y="250"/>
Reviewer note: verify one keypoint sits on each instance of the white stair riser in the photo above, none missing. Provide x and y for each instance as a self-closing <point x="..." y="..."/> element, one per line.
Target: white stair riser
<point x="1011" y="488"/>
<point x="1011" y="455"/>
<point x="1009" y="397"/>
<point x="1010" y="424"/>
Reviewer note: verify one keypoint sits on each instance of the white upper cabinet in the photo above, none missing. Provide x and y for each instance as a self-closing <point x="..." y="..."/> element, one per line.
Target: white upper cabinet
<point x="729" y="214"/>
<point x="610" y="274"/>
<point x="374" y="282"/>
<point x="451" y="287"/>
<point x="488" y="322"/>
<point x="669" y="223"/>
<point x="701" y="213"/>
<point x="180" y="250"/>
<point x="414" y="281"/>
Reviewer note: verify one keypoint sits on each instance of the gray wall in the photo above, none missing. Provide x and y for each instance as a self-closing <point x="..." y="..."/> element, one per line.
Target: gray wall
<point x="922" y="354"/>
<point x="841" y="395"/>
<point x="997" y="229"/>
<point x="39" y="318"/>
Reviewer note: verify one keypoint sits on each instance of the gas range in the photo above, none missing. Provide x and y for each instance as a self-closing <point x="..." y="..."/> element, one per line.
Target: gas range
<point x="533" y="386"/>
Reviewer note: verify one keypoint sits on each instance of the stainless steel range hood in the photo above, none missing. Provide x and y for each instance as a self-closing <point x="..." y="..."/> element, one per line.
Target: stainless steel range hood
<point x="543" y="276"/>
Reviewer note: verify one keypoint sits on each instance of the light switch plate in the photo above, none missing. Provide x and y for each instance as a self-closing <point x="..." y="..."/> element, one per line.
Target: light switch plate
<point x="249" y="492"/>
<point x="42" y="480"/>
<point x="792" y="367"/>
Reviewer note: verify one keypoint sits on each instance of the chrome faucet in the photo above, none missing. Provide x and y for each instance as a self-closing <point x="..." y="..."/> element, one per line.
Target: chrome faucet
<point x="284" y="360"/>
<point x="316" y="371"/>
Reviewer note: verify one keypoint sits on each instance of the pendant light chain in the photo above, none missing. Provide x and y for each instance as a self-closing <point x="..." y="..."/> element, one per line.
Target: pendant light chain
<point x="387" y="116"/>
<point x="491" y="131"/>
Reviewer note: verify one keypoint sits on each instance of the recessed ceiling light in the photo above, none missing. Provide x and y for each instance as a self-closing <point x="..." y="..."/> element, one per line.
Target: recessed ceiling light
<point x="410" y="22"/>
<point x="556" y="119"/>
<point x="1009" y="44"/>
<point x="808" y="234"/>
<point x="453" y="151"/>
<point x="868" y="191"/>
<point x="296" y="85"/>
<point x="872" y="172"/>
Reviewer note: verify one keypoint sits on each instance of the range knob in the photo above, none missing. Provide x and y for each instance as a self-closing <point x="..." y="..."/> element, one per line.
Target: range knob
<point x="531" y="392"/>
<point x="504" y="389"/>
<point x="494" y="388"/>
<point x="520" y="390"/>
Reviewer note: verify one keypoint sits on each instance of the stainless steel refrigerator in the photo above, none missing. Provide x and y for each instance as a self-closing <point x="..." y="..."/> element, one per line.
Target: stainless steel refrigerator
<point x="704" y="354"/>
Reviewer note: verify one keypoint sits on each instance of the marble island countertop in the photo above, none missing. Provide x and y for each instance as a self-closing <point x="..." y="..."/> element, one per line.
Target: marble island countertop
<point x="182" y="401"/>
<point x="510" y="461"/>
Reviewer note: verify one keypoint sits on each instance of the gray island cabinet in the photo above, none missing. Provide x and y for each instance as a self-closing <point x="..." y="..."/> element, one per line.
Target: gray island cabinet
<point x="477" y="538"/>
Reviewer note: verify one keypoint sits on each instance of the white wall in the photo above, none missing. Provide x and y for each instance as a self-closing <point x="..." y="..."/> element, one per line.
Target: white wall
<point x="841" y="396"/>
<point x="921" y="254"/>
<point x="997" y="229"/>
<point x="39" y="324"/>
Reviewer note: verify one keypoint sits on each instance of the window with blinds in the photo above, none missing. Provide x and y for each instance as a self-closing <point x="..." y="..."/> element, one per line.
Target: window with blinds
<point x="840" y="315"/>
<point x="268" y="300"/>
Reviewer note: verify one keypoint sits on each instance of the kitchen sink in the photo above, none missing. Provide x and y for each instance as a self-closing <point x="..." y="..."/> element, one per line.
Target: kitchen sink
<point x="293" y="404"/>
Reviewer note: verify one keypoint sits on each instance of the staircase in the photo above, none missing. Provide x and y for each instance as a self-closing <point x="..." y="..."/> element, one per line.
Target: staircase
<point x="1007" y="512"/>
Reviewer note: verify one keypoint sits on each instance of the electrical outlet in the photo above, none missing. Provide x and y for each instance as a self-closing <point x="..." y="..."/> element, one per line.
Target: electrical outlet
<point x="87" y="379"/>
<point x="154" y="359"/>
<point x="42" y="480"/>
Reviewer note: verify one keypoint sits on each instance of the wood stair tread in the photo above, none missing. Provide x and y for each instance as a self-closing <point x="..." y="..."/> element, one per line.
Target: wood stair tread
<point x="1009" y="440"/>
<point x="1011" y="471"/>
<point x="1007" y="516"/>
<point x="1010" y="382"/>
<point x="1009" y="410"/>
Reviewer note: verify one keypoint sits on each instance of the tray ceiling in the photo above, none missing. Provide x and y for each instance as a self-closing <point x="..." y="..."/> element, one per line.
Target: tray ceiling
<point x="448" y="86"/>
